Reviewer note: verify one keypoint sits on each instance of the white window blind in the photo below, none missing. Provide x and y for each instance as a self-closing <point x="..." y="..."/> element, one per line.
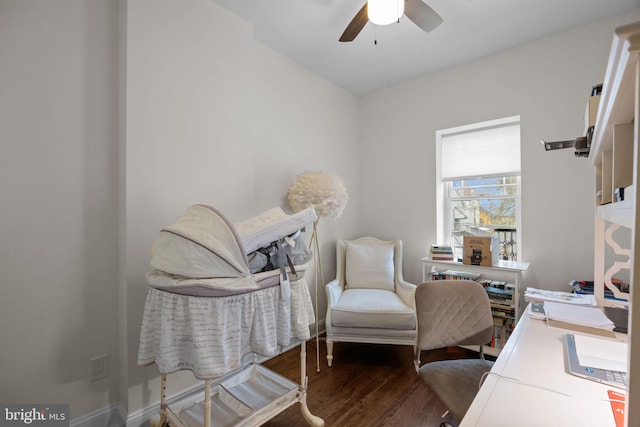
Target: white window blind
<point x="481" y="152"/>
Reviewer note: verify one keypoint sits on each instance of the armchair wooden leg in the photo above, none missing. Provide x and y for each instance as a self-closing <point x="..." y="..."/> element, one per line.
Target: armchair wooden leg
<point x="329" y="353"/>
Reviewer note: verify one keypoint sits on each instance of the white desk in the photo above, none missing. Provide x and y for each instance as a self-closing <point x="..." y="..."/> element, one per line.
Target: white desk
<point x="544" y="394"/>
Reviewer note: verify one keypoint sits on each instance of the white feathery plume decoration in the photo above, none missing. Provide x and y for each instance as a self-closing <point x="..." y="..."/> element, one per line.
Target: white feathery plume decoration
<point x="325" y="192"/>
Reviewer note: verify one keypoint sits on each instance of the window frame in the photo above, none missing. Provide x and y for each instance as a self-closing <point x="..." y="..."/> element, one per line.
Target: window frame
<point x="443" y="188"/>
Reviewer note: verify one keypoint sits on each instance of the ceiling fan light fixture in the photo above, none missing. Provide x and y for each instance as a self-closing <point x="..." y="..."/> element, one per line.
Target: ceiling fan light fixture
<point x="385" y="12"/>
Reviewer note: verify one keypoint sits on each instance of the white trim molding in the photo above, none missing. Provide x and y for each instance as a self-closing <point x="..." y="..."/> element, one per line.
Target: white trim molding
<point x="113" y="415"/>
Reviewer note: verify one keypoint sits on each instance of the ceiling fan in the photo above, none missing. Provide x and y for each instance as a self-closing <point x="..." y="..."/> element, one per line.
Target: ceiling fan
<point x="416" y="10"/>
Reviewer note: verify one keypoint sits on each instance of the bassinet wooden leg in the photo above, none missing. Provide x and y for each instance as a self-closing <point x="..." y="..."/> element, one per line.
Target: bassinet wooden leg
<point x="304" y="381"/>
<point x="313" y="420"/>
<point x="207" y="403"/>
<point x="163" y="404"/>
<point x="303" y="364"/>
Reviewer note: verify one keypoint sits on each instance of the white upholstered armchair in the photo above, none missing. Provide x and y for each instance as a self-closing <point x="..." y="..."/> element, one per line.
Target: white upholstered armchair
<point x="368" y="301"/>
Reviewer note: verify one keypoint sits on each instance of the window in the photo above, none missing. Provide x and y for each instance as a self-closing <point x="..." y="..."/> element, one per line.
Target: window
<point x="478" y="179"/>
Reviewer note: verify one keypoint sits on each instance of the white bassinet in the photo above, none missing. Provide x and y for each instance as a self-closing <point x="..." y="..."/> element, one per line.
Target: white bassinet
<point x="208" y="313"/>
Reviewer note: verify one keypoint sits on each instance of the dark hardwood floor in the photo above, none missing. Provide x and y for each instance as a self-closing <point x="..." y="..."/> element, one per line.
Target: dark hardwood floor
<point x="368" y="385"/>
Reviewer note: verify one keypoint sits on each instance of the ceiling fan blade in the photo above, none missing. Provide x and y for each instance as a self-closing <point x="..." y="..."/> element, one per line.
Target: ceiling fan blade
<point x="422" y="15"/>
<point x="356" y="25"/>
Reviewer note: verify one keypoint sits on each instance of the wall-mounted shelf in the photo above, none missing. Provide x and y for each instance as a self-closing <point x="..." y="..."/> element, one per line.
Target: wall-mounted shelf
<point x="619" y="212"/>
<point x="612" y="145"/>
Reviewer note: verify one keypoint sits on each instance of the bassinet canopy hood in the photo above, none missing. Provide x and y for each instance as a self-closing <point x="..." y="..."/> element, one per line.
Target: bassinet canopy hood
<point x="200" y="244"/>
<point x="203" y="254"/>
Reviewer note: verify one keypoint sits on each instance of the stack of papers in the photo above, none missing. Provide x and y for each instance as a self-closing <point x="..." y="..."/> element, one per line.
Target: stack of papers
<point x="542" y="295"/>
<point x="591" y="317"/>
<point x="601" y="353"/>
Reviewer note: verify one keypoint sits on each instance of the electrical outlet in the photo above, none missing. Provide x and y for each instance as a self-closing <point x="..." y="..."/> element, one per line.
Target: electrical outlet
<point x="99" y="367"/>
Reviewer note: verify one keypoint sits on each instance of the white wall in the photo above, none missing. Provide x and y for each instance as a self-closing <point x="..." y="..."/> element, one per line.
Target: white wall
<point x="214" y="117"/>
<point x="208" y="115"/>
<point x="547" y="83"/>
<point x="58" y="178"/>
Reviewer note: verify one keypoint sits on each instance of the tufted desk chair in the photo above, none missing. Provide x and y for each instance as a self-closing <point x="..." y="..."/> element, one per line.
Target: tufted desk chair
<point x="453" y="313"/>
<point x="368" y="301"/>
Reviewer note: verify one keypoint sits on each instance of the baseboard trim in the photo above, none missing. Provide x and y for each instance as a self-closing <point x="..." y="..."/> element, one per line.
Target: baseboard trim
<point x="142" y="417"/>
<point x="113" y="415"/>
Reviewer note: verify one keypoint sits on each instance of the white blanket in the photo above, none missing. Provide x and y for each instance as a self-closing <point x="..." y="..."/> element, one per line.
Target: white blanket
<point x="210" y="336"/>
<point x="270" y="226"/>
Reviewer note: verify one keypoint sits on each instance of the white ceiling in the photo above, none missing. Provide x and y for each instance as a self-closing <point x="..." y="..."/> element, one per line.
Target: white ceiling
<point x="307" y="31"/>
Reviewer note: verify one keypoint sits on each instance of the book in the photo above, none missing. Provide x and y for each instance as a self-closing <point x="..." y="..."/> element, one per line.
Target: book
<point x="460" y="275"/>
<point x="617" y="406"/>
<point x="502" y="312"/>
<point x="499" y="292"/>
<point x="440" y="249"/>
<point x="441" y="253"/>
<point x="441" y="258"/>
<point x="585" y="287"/>
<point x="499" y="284"/>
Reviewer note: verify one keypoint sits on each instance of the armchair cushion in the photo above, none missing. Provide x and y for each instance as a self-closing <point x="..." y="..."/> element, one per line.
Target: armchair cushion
<point x="369" y="266"/>
<point x="372" y="308"/>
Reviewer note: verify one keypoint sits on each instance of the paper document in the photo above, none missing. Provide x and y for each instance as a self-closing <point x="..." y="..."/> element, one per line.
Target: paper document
<point x="591" y="317"/>
<point x="538" y="295"/>
<point x="601" y="353"/>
